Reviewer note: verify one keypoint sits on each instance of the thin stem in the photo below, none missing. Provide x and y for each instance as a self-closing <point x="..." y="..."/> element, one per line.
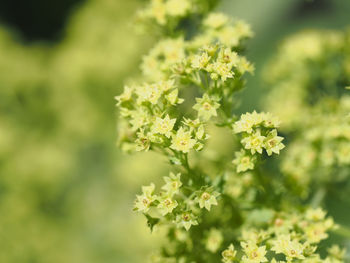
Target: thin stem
<point x="342" y="230"/>
<point x="318" y="197"/>
<point x="186" y="163"/>
<point x="206" y="79"/>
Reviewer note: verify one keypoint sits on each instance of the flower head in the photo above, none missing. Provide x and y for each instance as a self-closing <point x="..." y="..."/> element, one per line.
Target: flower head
<point x="172" y="183"/>
<point x="164" y="126"/>
<point x="144" y="201"/>
<point x="206" y="107"/>
<point x="206" y="198"/>
<point x="166" y="204"/>
<point x="253" y="253"/>
<point x="243" y="161"/>
<point x="216" y="20"/>
<point x="213" y="240"/>
<point x="186" y="220"/>
<point x="273" y="143"/>
<point x="229" y="254"/>
<point x="182" y="141"/>
<point x="254" y="142"/>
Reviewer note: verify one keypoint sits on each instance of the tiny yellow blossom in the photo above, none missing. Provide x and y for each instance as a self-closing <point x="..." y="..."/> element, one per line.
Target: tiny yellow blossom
<point x="200" y="61"/>
<point x="229" y="57"/>
<point x="178" y="7"/>
<point x="229" y="254"/>
<point x="290" y="248"/>
<point x="173" y="98"/>
<point x="222" y="70"/>
<point x="213" y="240"/>
<point x="254" y="142"/>
<point x="125" y="96"/>
<point x="272" y="143"/>
<point x="186" y="220"/>
<point x="206" y="199"/>
<point x="172" y="183"/>
<point x="143" y="141"/>
<point x="166" y="205"/>
<point x="316" y="232"/>
<point x="164" y="126"/>
<point x="144" y="201"/>
<point x="216" y="20"/>
<point x="243" y="161"/>
<point x="148" y="92"/>
<point x="206" y="107"/>
<point x="315" y="214"/>
<point x="182" y="141"/>
<point x="253" y="253"/>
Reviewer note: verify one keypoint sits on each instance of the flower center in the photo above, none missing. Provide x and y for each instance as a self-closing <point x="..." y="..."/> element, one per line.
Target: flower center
<point x="206" y="106"/>
<point x="205" y="196"/>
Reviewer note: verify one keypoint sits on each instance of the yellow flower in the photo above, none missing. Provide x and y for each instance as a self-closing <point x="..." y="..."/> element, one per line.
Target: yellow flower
<point x="173" y="98"/>
<point x="254" y="142"/>
<point x="182" y="141"/>
<point x="316" y="232"/>
<point x="215" y="20"/>
<point x="229" y="57"/>
<point x="315" y="214"/>
<point x="245" y="124"/>
<point x="200" y="61"/>
<point x="158" y="11"/>
<point x="178" y="7"/>
<point x="213" y="240"/>
<point x="243" y="65"/>
<point x="290" y="248"/>
<point x="164" y="126"/>
<point x="206" y="107"/>
<point x="144" y="201"/>
<point x="229" y="254"/>
<point x="166" y="205"/>
<point x="222" y="70"/>
<point x="253" y="253"/>
<point x="336" y="252"/>
<point x="243" y="161"/>
<point x="125" y="96"/>
<point x="243" y="30"/>
<point x="148" y="92"/>
<point x="172" y="183"/>
<point x="207" y="198"/>
<point x="143" y="142"/>
<point x="272" y="143"/>
<point x="186" y="220"/>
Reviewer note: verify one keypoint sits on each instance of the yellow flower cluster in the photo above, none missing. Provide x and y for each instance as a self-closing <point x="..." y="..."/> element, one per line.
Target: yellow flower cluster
<point x="209" y="51"/>
<point x="191" y="81"/>
<point x="164" y="203"/>
<point x="308" y="79"/>
<point x="167" y="12"/>
<point x="289" y="237"/>
<point x="259" y="132"/>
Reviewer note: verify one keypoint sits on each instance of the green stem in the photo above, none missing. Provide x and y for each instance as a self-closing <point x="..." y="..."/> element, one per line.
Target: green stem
<point x="206" y="79"/>
<point x="343" y="231"/>
<point x="186" y="163"/>
<point x="318" y="197"/>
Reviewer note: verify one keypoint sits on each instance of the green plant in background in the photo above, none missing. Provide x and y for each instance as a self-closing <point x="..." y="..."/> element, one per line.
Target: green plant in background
<point x="231" y="207"/>
<point x="308" y="78"/>
<point x="58" y="175"/>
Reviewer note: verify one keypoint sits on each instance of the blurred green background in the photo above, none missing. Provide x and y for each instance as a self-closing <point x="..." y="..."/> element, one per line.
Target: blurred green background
<point x="66" y="191"/>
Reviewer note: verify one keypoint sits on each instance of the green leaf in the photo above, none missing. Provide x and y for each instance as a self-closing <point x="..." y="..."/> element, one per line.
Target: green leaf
<point x="151" y="221"/>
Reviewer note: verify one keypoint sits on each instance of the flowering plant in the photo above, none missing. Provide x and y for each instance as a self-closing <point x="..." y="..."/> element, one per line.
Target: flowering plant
<point x="234" y="208"/>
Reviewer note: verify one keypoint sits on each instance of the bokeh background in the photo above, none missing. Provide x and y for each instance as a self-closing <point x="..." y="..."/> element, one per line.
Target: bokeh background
<point x="66" y="191"/>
